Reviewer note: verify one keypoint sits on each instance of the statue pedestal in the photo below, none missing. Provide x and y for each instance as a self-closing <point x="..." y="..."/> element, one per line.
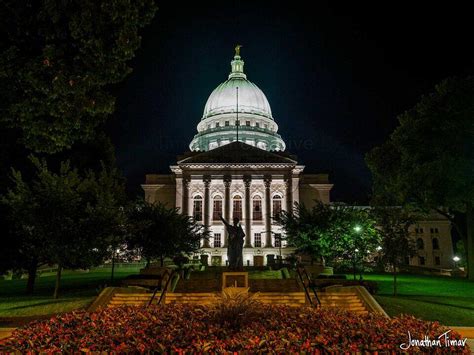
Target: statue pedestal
<point x="235" y="279"/>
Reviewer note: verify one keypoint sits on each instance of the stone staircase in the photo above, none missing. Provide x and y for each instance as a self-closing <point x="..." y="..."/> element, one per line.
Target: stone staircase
<point x="293" y="299"/>
<point x="131" y="299"/>
<point x="197" y="298"/>
<point x="348" y="301"/>
<point x="270" y="291"/>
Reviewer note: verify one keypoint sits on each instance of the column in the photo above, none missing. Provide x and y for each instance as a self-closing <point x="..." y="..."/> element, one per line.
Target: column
<point x="248" y="221"/>
<point x="289" y="193"/>
<point x="268" y="212"/>
<point x="185" y="194"/>
<point x="296" y="186"/>
<point x="227" y="182"/>
<point x="179" y="193"/>
<point x="207" y="183"/>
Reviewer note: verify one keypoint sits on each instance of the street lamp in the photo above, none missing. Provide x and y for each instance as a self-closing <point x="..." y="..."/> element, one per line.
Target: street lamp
<point x="456" y="260"/>
<point x="357" y="228"/>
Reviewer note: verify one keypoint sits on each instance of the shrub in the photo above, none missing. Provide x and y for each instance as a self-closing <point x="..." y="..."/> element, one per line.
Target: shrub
<point x="189" y="329"/>
<point x="235" y="309"/>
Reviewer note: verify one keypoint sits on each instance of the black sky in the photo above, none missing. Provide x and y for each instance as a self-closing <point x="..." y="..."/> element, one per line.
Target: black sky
<point x="336" y="77"/>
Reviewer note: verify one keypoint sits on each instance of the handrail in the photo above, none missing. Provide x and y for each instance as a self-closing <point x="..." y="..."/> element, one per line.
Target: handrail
<point x="310" y="285"/>
<point x="313" y="287"/>
<point x="304" y="286"/>
<point x="164" y="289"/>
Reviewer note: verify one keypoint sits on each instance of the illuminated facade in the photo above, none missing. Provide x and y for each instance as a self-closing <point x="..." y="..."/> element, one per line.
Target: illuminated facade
<point x="237" y="167"/>
<point x="245" y="174"/>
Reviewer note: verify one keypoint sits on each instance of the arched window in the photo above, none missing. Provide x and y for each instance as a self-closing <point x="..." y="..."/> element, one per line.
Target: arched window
<point x="276" y="205"/>
<point x="237" y="207"/>
<point x="217" y="208"/>
<point x="435" y="242"/>
<point x="197" y="208"/>
<point x="257" y="208"/>
<point x="420" y="245"/>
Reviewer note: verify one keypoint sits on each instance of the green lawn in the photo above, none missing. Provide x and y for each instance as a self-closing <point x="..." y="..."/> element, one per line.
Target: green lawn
<point x="447" y="300"/>
<point x="78" y="290"/>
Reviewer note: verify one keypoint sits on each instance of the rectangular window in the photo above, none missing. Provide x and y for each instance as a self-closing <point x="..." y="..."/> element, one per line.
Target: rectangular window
<point x="265" y="126"/>
<point x="217" y="124"/>
<point x="217" y="240"/>
<point x="437" y="260"/>
<point x="277" y="240"/>
<point x="276" y="207"/>
<point x="257" y="210"/>
<point x="217" y="210"/>
<point x="237" y="209"/>
<point x="247" y="123"/>
<point x="257" y="240"/>
<point x="197" y="210"/>
<point x="226" y="123"/>
<point x="257" y="124"/>
<point x="208" y="126"/>
<point x="421" y="260"/>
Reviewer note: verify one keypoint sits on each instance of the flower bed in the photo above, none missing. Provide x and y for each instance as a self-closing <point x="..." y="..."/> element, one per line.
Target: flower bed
<point x="181" y="328"/>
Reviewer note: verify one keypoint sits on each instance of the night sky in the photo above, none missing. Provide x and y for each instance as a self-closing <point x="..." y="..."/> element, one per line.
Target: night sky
<point x="336" y="77"/>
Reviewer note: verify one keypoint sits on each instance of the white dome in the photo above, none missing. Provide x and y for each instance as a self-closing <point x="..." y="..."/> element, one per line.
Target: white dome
<point x="222" y="123"/>
<point x="224" y="99"/>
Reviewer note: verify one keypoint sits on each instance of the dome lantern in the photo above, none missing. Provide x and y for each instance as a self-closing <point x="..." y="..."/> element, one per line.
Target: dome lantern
<point x="237" y="65"/>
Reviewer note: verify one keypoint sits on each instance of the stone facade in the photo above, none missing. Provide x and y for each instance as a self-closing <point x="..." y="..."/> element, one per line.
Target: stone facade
<point x="261" y="184"/>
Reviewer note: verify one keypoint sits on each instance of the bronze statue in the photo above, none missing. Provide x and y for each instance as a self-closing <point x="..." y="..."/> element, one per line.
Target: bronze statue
<point x="237" y="49"/>
<point x="235" y="245"/>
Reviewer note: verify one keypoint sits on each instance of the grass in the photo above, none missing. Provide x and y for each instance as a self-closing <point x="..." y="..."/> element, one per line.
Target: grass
<point x="78" y="290"/>
<point x="447" y="300"/>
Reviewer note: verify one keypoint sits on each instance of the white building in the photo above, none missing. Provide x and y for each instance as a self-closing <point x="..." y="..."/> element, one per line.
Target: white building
<point x="237" y="166"/>
<point x="244" y="174"/>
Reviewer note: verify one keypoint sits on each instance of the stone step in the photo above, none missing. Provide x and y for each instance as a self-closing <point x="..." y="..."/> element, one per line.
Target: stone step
<point x="148" y="295"/>
<point x="134" y="298"/>
<point x="340" y="301"/>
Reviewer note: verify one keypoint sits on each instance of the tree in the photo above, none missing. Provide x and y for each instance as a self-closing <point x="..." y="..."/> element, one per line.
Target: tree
<point x="62" y="219"/>
<point x="158" y="232"/>
<point x="428" y="160"/>
<point x="330" y="232"/>
<point x="397" y="245"/>
<point x="58" y="60"/>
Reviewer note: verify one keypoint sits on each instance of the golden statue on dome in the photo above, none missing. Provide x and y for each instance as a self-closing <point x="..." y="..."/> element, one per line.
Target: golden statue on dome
<point x="237" y="49"/>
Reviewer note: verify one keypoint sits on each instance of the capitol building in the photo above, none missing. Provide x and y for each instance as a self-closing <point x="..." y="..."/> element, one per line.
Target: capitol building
<point x="237" y="167"/>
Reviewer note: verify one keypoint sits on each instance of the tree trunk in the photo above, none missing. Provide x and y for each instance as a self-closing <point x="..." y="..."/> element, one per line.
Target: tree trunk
<point x="162" y="261"/>
<point x="470" y="241"/>
<point x="113" y="267"/>
<point x="58" y="280"/>
<point x="394" y="281"/>
<point x="30" y="284"/>
<point x="354" y="268"/>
